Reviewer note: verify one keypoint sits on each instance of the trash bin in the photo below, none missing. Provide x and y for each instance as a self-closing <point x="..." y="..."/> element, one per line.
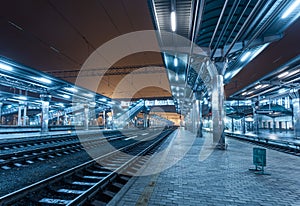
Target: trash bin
<point x="259" y="160"/>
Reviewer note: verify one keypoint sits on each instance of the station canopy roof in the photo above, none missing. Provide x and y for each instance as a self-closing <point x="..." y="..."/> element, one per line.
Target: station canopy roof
<point x="252" y="41"/>
<point x="19" y="83"/>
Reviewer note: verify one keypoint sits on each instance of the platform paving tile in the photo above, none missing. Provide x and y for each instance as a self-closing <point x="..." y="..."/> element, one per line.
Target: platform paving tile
<point x="222" y="178"/>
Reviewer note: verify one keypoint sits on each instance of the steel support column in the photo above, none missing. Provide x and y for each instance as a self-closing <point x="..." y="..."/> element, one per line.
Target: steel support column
<point x="25" y="118"/>
<point x="274" y="125"/>
<point x="218" y="113"/>
<point x="1" y="104"/>
<point x="295" y="95"/>
<point x="199" y="132"/>
<point x="243" y="123"/>
<point x="104" y="119"/>
<point x="86" y="117"/>
<point x="45" y="112"/>
<point x="145" y="120"/>
<point x="19" y="123"/>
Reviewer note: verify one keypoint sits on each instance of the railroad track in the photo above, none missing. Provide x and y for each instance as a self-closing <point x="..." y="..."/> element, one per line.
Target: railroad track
<point x="13" y="144"/>
<point x="90" y="183"/>
<point x="34" y="142"/>
<point x="282" y="146"/>
<point x="43" y="150"/>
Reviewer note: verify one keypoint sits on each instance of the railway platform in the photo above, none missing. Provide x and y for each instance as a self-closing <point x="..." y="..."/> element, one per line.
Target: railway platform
<point x="200" y="175"/>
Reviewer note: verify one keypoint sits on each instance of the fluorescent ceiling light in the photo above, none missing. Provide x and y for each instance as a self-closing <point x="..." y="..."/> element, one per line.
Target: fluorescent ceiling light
<point x="60" y="104"/>
<point x="283" y="74"/>
<point x="89" y="95"/>
<point x="250" y="92"/>
<point x="294" y="72"/>
<point x="5" y="67"/>
<point x="103" y="99"/>
<point x="71" y="89"/>
<point x="173" y="21"/>
<point x="290" y="9"/>
<point x="21" y="97"/>
<point x="66" y="96"/>
<point x="177" y="88"/>
<point x="227" y="75"/>
<point x="258" y="86"/>
<point x="245" y="56"/>
<point x="281" y="91"/>
<point x="44" y="80"/>
<point x="175" y="62"/>
<point x="176" y="77"/>
<point x="265" y="85"/>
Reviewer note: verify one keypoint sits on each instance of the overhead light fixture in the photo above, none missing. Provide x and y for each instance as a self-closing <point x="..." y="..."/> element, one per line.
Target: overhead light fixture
<point x="176" y="77"/>
<point x="244" y="93"/>
<point x="60" y="104"/>
<point x="283" y="74"/>
<point x="250" y="92"/>
<point x="21" y="97"/>
<point x="44" y="80"/>
<point x="89" y="95"/>
<point x="175" y="62"/>
<point x="265" y="85"/>
<point x="290" y="9"/>
<point x="177" y="88"/>
<point x="5" y="67"/>
<point x="173" y="21"/>
<point x="258" y="86"/>
<point x="245" y="56"/>
<point x="281" y="91"/>
<point x="66" y="96"/>
<point x="294" y="72"/>
<point x="227" y="75"/>
<point x="71" y="89"/>
<point x="103" y="100"/>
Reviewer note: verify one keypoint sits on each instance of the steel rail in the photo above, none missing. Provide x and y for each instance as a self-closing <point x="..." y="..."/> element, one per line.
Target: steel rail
<point x="81" y="199"/>
<point x="21" y="193"/>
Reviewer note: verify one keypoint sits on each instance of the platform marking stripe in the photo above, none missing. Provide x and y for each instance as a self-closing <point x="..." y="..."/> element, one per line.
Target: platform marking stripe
<point x="131" y="137"/>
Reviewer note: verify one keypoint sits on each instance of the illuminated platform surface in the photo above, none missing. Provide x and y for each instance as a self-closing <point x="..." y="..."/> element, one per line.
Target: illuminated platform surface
<point x="275" y="136"/>
<point x="223" y="178"/>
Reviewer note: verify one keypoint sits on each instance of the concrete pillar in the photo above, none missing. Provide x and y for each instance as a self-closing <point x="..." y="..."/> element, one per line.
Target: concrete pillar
<point x="45" y="112"/>
<point x="194" y="117"/>
<point x="1" y="104"/>
<point x="232" y="125"/>
<point x="274" y="125"/>
<point x="25" y="118"/>
<point x="218" y="113"/>
<point x="104" y="119"/>
<point x="296" y="114"/>
<point x="145" y="120"/>
<point x="294" y="94"/>
<point x="243" y="124"/>
<point x="19" y="123"/>
<point x="112" y="119"/>
<point x="86" y="116"/>
<point x="199" y="133"/>
<point x="255" y="118"/>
